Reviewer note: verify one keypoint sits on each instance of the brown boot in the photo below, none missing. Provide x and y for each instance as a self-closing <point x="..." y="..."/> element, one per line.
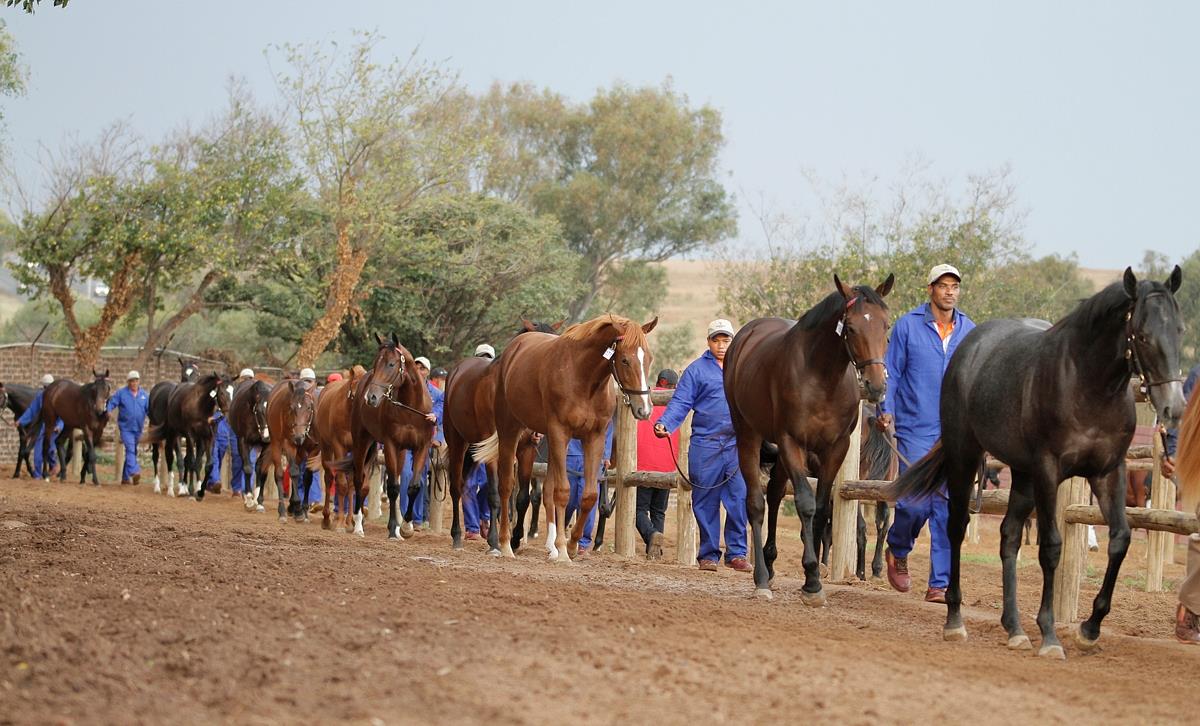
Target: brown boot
<point x="137" y="479"/>
<point x="1187" y="626"/>
<point x="897" y="572"/>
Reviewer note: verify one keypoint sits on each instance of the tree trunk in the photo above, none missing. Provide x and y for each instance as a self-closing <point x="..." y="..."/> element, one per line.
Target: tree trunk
<point x="342" y="286"/>
<point x="195" y="303"/>
<point x="120" y="300"/>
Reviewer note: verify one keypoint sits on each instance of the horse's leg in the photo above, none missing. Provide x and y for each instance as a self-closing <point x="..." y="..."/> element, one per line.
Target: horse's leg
<point x="1020" y="505"/>
<point x="961" y="466"/>
<point x="410" y="490"/>
<point x="748" y="447"/>
<point x="776" y="490"/>
<point x="203" y="466"/>
<point x="556" y="492"/>
<point x="93" y="447"/>
<point x="525" y="455"/>
<point x="535" y="495"/>
<point x="21" y="452"/>
<point x="860" y="565"/>
<point x="456" y="461"/>
<point x="363" y="447"/>
<point x="1045" y="490"/>
<point x="795" y="458"/>
<point x="592" y="460"/>
<point x="1108" y="497"/>
<point x="881" y="523"/>
<point x="392" y="467"/>
<point x="419" y="460"/>
<point x="276" y="462"/>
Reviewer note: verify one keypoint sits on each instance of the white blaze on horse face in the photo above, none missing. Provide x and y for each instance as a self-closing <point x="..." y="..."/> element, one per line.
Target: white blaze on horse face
<point x="641" y="356"/>
<point x="189" y="372"/>
<point x="229" y="390"/>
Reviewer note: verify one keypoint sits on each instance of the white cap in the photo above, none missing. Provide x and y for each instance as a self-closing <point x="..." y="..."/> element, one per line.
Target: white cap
<point x="940" y="270"/>
<point x="307" y="374"/>
<point x="719" y="326"/>
<point x="485" y="349"/>
<point x="47" y="379"/>
<point x="246" y="373"/>
<point x="423" y="361"/>
<point x="133" y="375"/>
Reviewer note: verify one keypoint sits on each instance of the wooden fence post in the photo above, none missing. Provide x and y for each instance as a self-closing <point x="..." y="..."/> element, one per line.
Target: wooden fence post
<point x="973" y="529"/>
<point x="76" y="444"/>
<point x="625" y="443"/>
<point x="1074" y="549"/>
<point x="685" y="521"/>
<point x="437" y="506"/>
<point x="1157" y="542"/>
<point x="843" y="553"/>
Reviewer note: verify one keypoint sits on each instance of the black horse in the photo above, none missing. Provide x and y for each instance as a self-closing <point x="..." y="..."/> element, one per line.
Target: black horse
<point x="189" y="411"/>
<point x="1052" y="403"/>
<point x="157" y="416"/>
<point x="17" y="398"/>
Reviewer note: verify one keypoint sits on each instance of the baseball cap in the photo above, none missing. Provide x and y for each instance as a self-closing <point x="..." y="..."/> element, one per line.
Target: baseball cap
<point x="438" y="372"/>
<point x="307" y="374"/>
<point x="940" y="270"/>
<point x="333" y="377"/>
<point x="422" y="360"/>
<point x="669" y="376"/>
<point x="246" y="373"/>
<point x="718" y="326"/>
<point x="47" y="379"/>
<point x="485" y="349"/>
<point x="133" y="375"/>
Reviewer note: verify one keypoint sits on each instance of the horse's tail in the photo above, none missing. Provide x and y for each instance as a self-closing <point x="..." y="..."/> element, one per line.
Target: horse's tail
<point x="154" y="435"/>
<point x="1188" y="458"/>
<point x="923" y="478"/>
<point x="768" y="455"/>
<point x="343" y="465"/>
<point x="487" y="451"/>
<point x="875" y="455"/>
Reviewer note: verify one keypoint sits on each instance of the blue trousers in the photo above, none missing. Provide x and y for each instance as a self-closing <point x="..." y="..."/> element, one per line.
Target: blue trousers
<point x="40" y="468"/>
<point x="575" y="500"/>
<point x="708" y="467"/>
<point x="406" y="474"/>
<point x="222" y="442"/>
<point x="912" y="514"/>
<point x="475" y="504"/>
<point x="237" y="482"/>
<point x="129" y="439"/>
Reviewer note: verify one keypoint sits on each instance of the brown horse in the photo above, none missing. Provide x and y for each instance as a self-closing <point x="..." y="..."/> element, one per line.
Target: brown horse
<point x="334" y="437"/>
<point x="392" y="407"/>
<point x="80" y="407"/>
<point x="190" y="410"/>
<point x="560" y="387"/>
<point x="796" y="385"/>
<point x="248" y="420"/>
<point x="291" y="412"/>
<point x="468" y="418"/>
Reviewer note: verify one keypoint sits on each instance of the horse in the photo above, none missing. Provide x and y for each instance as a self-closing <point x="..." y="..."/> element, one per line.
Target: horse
<point x="248" y="420"/>
<point x="1052" y="402"/>
<point x="291" y="411"/>
<point x="80" y="407"/>
<point x="190" y="408"/>
<point x="391" y="406"/>
<point x="17" y="398"/>
<point x="559" y="385"/>
<point x="796" y="384"/>
<point x="468" y="418"/>
<point x="334" y="437"/>
<point x="157" y="416"/>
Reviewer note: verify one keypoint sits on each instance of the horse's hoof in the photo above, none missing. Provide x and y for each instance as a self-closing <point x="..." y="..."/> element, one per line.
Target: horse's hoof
<point x="507" y="553"/>
<point x="1085" y="643"/>
<point x="359" y="533"/>
<point x="282" y="519"/>
<point x="764" y="593"/>
<point x="494" y="552"/>
<point x="563" y="559"/>
<point x="406" y="530"/>
<point x="1020" y="642"/>
<point x="1052" y="651"/>
<point x="824" y="568"/>
<point x="157" y="488"/>
<point x="259" y="508"/>
<point x="813" y="599"/>
<point x="955" y="635"/>
<point x="457" y="545"/>
<point x="326" y="524"/>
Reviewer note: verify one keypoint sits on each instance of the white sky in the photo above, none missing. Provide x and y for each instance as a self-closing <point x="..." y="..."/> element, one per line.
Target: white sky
<point x="1093" y="104"/>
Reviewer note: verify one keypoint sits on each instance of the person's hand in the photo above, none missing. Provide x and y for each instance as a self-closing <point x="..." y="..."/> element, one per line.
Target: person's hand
<point x="660" y="431"/>
<point x="431" y="418"/>
<point x="438" y="444"/>
<point x="607" y="464"/>
<point x="536" y="438"/>
<point x="884" y="422"/>
<point x="1168" y="466"/>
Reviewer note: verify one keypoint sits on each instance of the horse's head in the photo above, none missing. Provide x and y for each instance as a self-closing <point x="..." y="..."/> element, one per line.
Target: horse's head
<point x="864" y="329"/>
<point x="629" y="358"/>
<point x="530" y="326"/>
<point x="188" y="373"/>
<point x="389" y="372"/>
<point x="224" y="393"/>
<point x="259" y="395"/>
<point x="303" y="405"/>
<point x="1152" y="332"/>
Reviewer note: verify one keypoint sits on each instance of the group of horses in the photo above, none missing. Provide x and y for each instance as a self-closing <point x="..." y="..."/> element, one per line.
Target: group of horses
<point x="1050" y="401"/>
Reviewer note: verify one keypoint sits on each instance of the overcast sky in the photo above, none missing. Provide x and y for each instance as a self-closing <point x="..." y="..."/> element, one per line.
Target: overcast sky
<point x="1093" y="105"/>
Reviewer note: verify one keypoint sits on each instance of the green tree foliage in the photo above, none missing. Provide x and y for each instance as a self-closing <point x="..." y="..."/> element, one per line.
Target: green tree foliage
<point x="29" y="5"/>
<point x="674" y="347"/>
<point x="12" y="74"/>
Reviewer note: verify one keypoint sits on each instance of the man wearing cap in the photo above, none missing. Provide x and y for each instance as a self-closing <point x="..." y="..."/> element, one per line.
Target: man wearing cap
<point x="712" y="458"/>
<point x="921" y="346"/>
<point x="419" y="511"/>
<point x="483" y="350"/>
<point x="437" y="377"/>
<point x="299" y="470"/>
<point x="31" y="421"/>
<point x="133" y="404"/>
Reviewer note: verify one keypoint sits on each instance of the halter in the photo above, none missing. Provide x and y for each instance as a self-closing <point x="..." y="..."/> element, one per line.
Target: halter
<point x="843" y="332"/>
<point x="262" y="425"/>
<point x="312" y="407"/>
<point x="1135" y="360"/>
<point x="610" y="356"/>
<point x="387" y="396"/>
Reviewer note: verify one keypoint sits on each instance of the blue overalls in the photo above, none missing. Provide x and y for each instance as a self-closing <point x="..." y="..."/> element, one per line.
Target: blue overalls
<point x="33" y="419"/>
<point x="712" y="458"/>
<point x="575" y="479"/>
<point x="225" y="440"/>
<point x="475" y="499"/>
<point x="916" y="362"/>
<point x="130" y="420"/>
<point x="420" y="506"/>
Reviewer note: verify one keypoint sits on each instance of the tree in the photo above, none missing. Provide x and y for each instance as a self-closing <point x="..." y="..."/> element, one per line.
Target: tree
<point x="28" y="5"/>
<point x="12" y="74"/>
<point x="374" y="138"/>
<point x="631" y="176"/>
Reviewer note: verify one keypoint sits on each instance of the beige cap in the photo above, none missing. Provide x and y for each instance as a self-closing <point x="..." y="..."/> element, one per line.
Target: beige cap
<point x="485" y="349"/>
<point x="422" y="360"/>
<point x="940" y="270"/>
<point x="133" y="376"/>
<point x="307" y="374"/>
<point x="720" y="326"/>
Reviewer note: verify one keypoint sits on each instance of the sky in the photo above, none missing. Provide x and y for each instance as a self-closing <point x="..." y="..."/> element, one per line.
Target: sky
<point x="1092" y="105"/>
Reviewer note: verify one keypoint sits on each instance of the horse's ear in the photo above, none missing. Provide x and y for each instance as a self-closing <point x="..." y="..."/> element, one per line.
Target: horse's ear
<point x="529" y="326"/>
<point x="558" y="326"/>
<point x="647" y="327"/>
<point x="886" y="287"/>
<point x="1131" y="283"/>
<point x="1175" y="280"/>
<point x="379" y="339"/>
<point x="842" y="287"/>
<point x="291" y="385"/>
<point x="395" y="340"/>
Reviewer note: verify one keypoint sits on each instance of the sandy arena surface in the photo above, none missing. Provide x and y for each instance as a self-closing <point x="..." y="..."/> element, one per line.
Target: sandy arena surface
<point x="119" y="606"/>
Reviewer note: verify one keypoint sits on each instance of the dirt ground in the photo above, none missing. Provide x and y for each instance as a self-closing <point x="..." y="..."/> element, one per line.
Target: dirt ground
<point x="119" y="606"/>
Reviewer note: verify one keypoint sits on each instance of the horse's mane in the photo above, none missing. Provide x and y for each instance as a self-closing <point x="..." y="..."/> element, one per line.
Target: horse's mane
<point x="630" y="331"/>
<point x="835" y="303"/>
<point x="1101" y="306"/>
<point x="214" y="378"/>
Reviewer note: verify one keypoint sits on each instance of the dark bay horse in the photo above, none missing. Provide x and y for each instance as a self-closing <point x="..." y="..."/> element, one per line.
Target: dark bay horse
<point x="248" y="420"/>
<point x="1052" y="403"/>
<point x="335" y="439"/>
<point x="190" y="408"/>
<point x="291" y="412"/>
<point x="80" y="407"/>
<point x="796" y="385"/>
<point x="17" y="398"/>
<point x="156" y="415"/>
<point x="562" y="386"/>
<point x="390" y="407"/>
<point x="468" y="418"/>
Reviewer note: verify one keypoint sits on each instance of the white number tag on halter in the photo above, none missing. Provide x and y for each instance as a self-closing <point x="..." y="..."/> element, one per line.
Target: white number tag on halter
<point x="212" y="393"/>
<point x="608" y="353"/>
<point x="839" y="327"/>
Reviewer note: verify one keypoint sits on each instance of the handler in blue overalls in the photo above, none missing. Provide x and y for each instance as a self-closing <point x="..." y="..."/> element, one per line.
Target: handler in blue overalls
<point x="477" y="511"/>
<point x="133" y="404"/>
<point x="32" y="418"/>
<point x="917" y="355"/>
<point x="712" y="458"/>
<point x="224" y="440"/>
<point x="575" y="479"/>
<point x="420" y="510"/>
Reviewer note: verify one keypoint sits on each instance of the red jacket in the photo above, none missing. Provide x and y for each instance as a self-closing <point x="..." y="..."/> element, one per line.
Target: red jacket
<point x="653" y="454"/>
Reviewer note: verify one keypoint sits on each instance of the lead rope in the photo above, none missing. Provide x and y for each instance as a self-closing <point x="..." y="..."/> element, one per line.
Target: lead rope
<point x="690" y="483"/>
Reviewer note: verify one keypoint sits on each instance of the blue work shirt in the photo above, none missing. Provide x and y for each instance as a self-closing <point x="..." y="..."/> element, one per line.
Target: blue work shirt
<point x="916" y="363"/>
<point x="1189" y="385"/>
<point x="575" y="446"/>
<point x="702" y="389"/>
<point x="439" y="404"/>
<point x="133" y="408"/>
<point x="34" y="412"/>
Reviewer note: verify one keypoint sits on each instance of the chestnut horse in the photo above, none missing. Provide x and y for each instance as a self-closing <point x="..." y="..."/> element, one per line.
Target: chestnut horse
<point x="80" y="407"/>
<point x="291" y="412"/>
<point x="334" y="437"/>
<point x="560" y="386"/>
<point x="248" y="420"/>
<point x="796" y="384"/>
<point x="391" y="406"/>
<point x="468" y="418"/>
